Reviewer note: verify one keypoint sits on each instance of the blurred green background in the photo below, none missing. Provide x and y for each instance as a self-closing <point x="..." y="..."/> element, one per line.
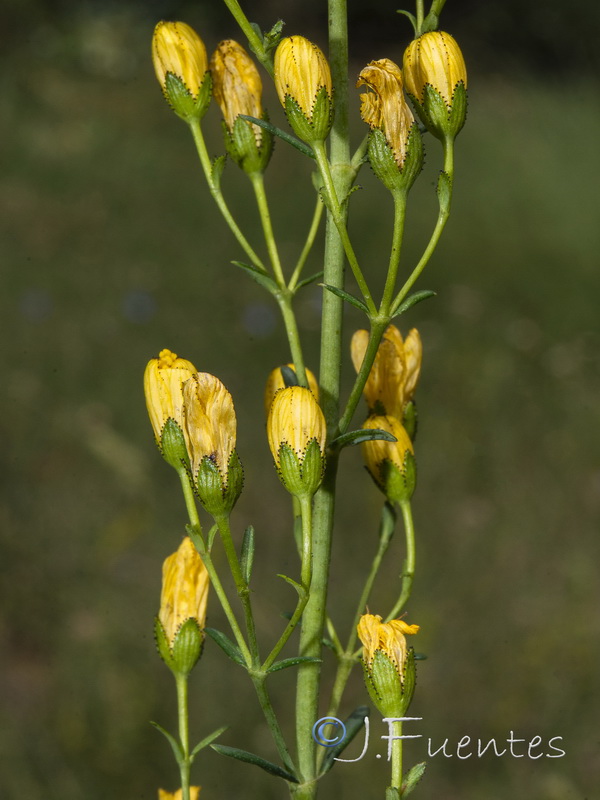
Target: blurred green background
<point x="111" y="251"/>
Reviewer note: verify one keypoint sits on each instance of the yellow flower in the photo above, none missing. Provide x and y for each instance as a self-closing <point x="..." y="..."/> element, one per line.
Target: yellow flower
<point x="297" y="432"/>
<point x="237" y="87"/>
<point x="395" y="371"/>
<point x="434" y="59"/>
<point x="301" y="70"/>
<point x="210" y="421"/>
<point x="184" y="590"/>
<point x="275" y="382"/>
<point x="303" y="83"/>
<point x="163" y="381"/>
<point x="194" y="794"/>
<point x="391" y="464"/>
<point x="435" y="77"/>
<point x="384" y="107"/>
<point x="387" y="637"/>
<point x="177" y="49"/>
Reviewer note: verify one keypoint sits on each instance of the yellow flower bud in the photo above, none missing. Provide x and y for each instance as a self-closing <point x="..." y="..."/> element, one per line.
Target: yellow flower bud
<point x="163" y="381"/>
<point x="297" y="432"/>
<point x="391" y="464"/>
<point x="389" y="637"/>
<point x="194" y="794"/>
<point x="211" y="430"/>
<point x="184" y="590"/>
<point x="275" y="382"/>
<point x="181" y="64"/>
<point x="237" y="87"/>
<point x="395" y="371"/>
<point x="303" y="83"/>
<point x="384" y="107"/>
<point x="435" y="74"/>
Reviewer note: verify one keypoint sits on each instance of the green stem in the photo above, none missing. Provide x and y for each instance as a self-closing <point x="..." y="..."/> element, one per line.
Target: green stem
<point x="398" y="235"/>
<point x="420" y="16"/>
<point x="218" y="195"/>
<point x="443" y="215"/>
<point x="254" y="40"/>
<point x="258" y="184"/>
<point x="310" y="240"/>
<point x="200" y="545"/>
<point x="397" y="757"/>
<point x="340" y="222"/>
<point x="408" y="571"/>
<point x="284" y="301"/>
<point x="181" y="682"/>
<point x="375" y="336"/>
<point x="306" y="577"/>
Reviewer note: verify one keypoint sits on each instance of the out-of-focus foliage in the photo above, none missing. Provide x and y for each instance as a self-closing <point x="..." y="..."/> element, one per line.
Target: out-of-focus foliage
<point x="111" y="250"/>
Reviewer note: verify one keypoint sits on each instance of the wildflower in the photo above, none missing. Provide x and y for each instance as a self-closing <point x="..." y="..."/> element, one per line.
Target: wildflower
<point x="395" y="147"/>
<point x="211" y="429"/>
<point x="163" y="381"/>
<point x="391" y="464"/>
<point x="436" y="80"/>
<point x="181" y="66"/>
<point x="194" y="794"/>
<point x="296" y="430"/>
<point x="275" y="382"/>
<point x="237" y="88"/>
<point x="303" y="83"/>
<point x="182" y="612"/>
<point x="388" y="663"/>
<point x="395" y="371"/>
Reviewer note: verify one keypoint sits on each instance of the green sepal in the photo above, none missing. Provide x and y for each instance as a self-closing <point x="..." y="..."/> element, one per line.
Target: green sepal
<point x="301" y="477"/>
<point x="442" y="121"/>
<point x="349" y="298"/>
<point x="247" y="557"/>
<point x="398" y="485"/>
<point x="412" y="777"/>
<point x="444" y="191"/>
<point x="162" y="644"/>
<point x="207" y="740"/>
<point x="217" y="497"/>
<point x="230" y="649"/>
<point x="243" y="148"/>
<point x="385" y="166"/>
<point x="293" y="662"/>
<point x="272" y="38"/>
<point x="187" y="646"/>
<point x="390" y="694"/>
<point x="362" y="435"/>
<point x="176" y="747"/>
<point x="275" y="131"/>
<point x="430" y="23"/>
<point x="458" y="113"/>
<point x="353" y="725"/>
<point x="317" y="127"/>
<point x="251" y="758"/>
<point x="412" y="300"/>
<point x="259" y="276"/>
<point x="410" y="419"/>
<point x="216" y="171"/>
<point x="172" y="445"/>
<point x="308" y="281"/>
<point x="392" y="793"/>
<point x="182" y="101"/>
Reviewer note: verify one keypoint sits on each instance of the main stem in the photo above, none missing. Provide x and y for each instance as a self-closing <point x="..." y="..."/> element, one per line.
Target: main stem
<point x="313" y="621"/>
<point x="181" y="682"/>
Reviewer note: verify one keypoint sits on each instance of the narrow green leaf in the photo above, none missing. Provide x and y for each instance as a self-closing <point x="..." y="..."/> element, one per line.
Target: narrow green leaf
<point x="297" y="586"/>
<point x="308" y="281"/>
<point x="420" y="656"/>
<point x="208" y="740"/>
<point x="218" y="165"/>
<point x="287" y="137"/>
<point x="430" y="23"/>
<point x="259" y="276"/>
<point x="412" y="777"/>
<point x="227" y="646"/>
<point x="391" y="793"/>
<point x="362" y="435"/>
<point x="387" y="522"/>
<point x="293" y="662"/>
<point x="271" y="38"/>
<point x="349" y="298"/>
<point x="247" y="559"/>
<point x="353" y="724"/>
<point x="411" y="17"/>
<point x="412" y="300"/>
<point x="211" y="536"/>
<point x="251" y="758"/>
<point x="178" y="752"/>
<point x="289" y="376"/>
